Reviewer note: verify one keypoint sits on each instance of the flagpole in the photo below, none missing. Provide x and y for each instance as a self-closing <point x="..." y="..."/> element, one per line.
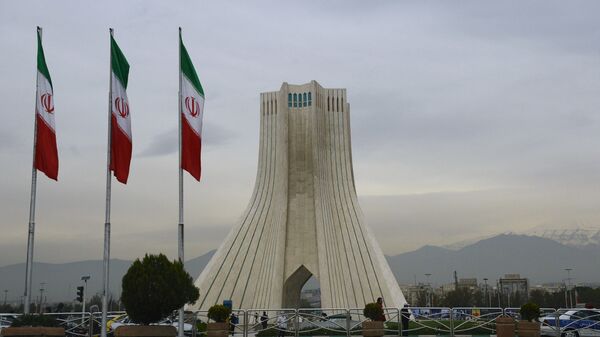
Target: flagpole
<point x="107" y="210"/>
<point x="31" y="231"/>
<point x="180" y="229"/>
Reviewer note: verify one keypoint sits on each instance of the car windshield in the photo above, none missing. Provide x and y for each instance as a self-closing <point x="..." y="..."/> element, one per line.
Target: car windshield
<point x="587" y="314"/>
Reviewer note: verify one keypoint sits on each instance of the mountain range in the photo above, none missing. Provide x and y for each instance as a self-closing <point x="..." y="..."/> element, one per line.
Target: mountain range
<point x="539" y="259"/>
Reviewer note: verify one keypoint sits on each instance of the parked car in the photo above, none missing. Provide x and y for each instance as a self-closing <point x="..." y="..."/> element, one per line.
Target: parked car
<point x="6" y="321"/>
<point x="116" y="322"/>
<point x="572" y="323"/>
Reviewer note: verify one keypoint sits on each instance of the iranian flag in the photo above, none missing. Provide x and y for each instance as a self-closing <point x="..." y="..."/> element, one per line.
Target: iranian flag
<point x="120" y="130"/>
<point x="46" y="153"/>
<point x="192" y="108"/>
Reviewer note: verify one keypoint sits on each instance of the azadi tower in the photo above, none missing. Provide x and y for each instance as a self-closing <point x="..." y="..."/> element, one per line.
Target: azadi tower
<point x="303" y="218"/>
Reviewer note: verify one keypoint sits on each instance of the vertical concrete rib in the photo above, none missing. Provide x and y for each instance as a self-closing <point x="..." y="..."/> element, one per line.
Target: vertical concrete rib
<point x="370" y="275"/>
<point x="348" y="295"/>
<point x="340" y="167"/>
<point x="223" y="253"/>
<point x="263" y="220"/>
<point x="233" y="271"/>
<point x="263" y="279"/>
<point x="328" y="281"/>
<point x="271" y="258"/>
<point x="340" y="223"/>
<point x="370" y="272"/>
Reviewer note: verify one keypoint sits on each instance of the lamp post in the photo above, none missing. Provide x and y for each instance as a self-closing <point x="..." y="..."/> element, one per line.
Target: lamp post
<point x="568" y="301"/>
<point x="5" y="295"/>
<point x="41" y="310"/>
<point x="427" y="293"/>
<point x="486" y="292"/>
<point x="84" y="278"/>
<point x="495" y="289"/>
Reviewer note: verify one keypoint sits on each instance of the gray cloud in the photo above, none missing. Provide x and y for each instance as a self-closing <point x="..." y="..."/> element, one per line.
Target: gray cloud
<point x="500" y="98"/>
<point x="166" y="143"/>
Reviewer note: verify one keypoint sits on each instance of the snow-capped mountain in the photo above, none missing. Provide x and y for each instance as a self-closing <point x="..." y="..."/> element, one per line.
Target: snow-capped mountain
<point x="575" y="237"/>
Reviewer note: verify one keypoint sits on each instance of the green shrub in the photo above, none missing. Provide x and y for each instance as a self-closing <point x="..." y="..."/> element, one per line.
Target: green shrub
<point x="154" y="287"/>
<point x="35" y="320"/>
<point x="219" y="313"/>
<point x="530" y="312"/>
<point x="373" y="311"/>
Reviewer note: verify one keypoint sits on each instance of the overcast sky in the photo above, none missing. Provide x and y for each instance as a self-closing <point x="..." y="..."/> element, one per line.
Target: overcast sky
<point x="469" y="118"/>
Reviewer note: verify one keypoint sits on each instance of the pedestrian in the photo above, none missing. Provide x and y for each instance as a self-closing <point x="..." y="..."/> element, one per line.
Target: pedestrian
<point x="382" y="315"/>
<point x="233" y="321"/>
<point x="256" y="317"/>
<point x="281" y="325"/>
<point x="264" y="320"/>
<point x="405" y="319"/>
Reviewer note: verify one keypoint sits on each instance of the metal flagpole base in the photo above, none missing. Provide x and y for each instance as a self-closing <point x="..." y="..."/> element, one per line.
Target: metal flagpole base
<point x="180" y="330"/>
<point x="105" y="279"/>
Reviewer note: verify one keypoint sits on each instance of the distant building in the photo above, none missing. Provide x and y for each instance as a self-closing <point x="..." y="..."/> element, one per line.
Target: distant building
<point x="550" y="287"/>
<point x="411" y="292"/>
<point x="312" y="297"/>
<point x="448" y="287"/>
<point x="513" y="284"/>
<point x="469" y="283"/>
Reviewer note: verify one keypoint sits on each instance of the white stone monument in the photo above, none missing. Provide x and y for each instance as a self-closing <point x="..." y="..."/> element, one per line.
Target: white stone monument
<point x="303" y="218"/>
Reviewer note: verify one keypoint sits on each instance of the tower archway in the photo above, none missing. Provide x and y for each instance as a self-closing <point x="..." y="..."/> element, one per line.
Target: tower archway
<point x="292" y="287"/>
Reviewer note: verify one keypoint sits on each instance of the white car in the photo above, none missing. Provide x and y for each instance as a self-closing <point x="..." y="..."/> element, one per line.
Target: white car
<point x="6" y="321"/>
<point x="572" y="323"/>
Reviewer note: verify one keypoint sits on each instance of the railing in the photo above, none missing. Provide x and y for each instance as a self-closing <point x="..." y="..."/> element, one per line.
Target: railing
<point x="348" y="322"/>
<point x="76" y="324"/>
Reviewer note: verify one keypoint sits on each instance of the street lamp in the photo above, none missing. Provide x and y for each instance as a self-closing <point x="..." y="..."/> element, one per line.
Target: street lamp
<point x="568" y="301"/>
<point x="427" y="294"/>
<point x="41" y="297"/>
<point x="486" y="292"/>
<point x="84" y="278"/>
<point x="5" y="294"/>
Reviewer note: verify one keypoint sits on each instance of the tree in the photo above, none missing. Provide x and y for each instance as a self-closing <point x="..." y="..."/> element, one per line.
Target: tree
<point x="154" y="287"/>
<point x="460" y="297"/>
<point x="95" y="300"/>
<point x="538" y="296"/>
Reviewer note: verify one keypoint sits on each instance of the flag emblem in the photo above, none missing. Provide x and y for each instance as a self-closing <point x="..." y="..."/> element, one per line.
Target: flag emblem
<point x="122" y="107"/>
<point x="192" y="106"/>
<point x="46" y="100"/>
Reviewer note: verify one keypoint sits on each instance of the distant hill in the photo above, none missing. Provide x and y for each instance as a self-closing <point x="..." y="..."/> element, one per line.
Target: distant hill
<point x="62" y="279"/>
<point x="539" y="259"/>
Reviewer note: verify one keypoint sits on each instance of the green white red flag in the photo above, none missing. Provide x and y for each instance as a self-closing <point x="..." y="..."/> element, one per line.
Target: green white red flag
<point x="121" y="141"/>
<point x="192" y="109"/>
<point x="46" y="152"/>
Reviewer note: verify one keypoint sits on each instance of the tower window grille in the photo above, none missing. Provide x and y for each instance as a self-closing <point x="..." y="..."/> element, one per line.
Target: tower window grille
<point x="289" y="100"/>
<point x="304" y="102"/>
<point x="309" y="99"/>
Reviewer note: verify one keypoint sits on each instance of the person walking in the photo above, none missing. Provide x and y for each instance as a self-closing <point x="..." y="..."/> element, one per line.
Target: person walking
<point x="233" y="321"/>
<point x="380" y="304"/>
<point x="264" y="319"/>
<point x="281" y="325"/>
<point x="405" y="316"/>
